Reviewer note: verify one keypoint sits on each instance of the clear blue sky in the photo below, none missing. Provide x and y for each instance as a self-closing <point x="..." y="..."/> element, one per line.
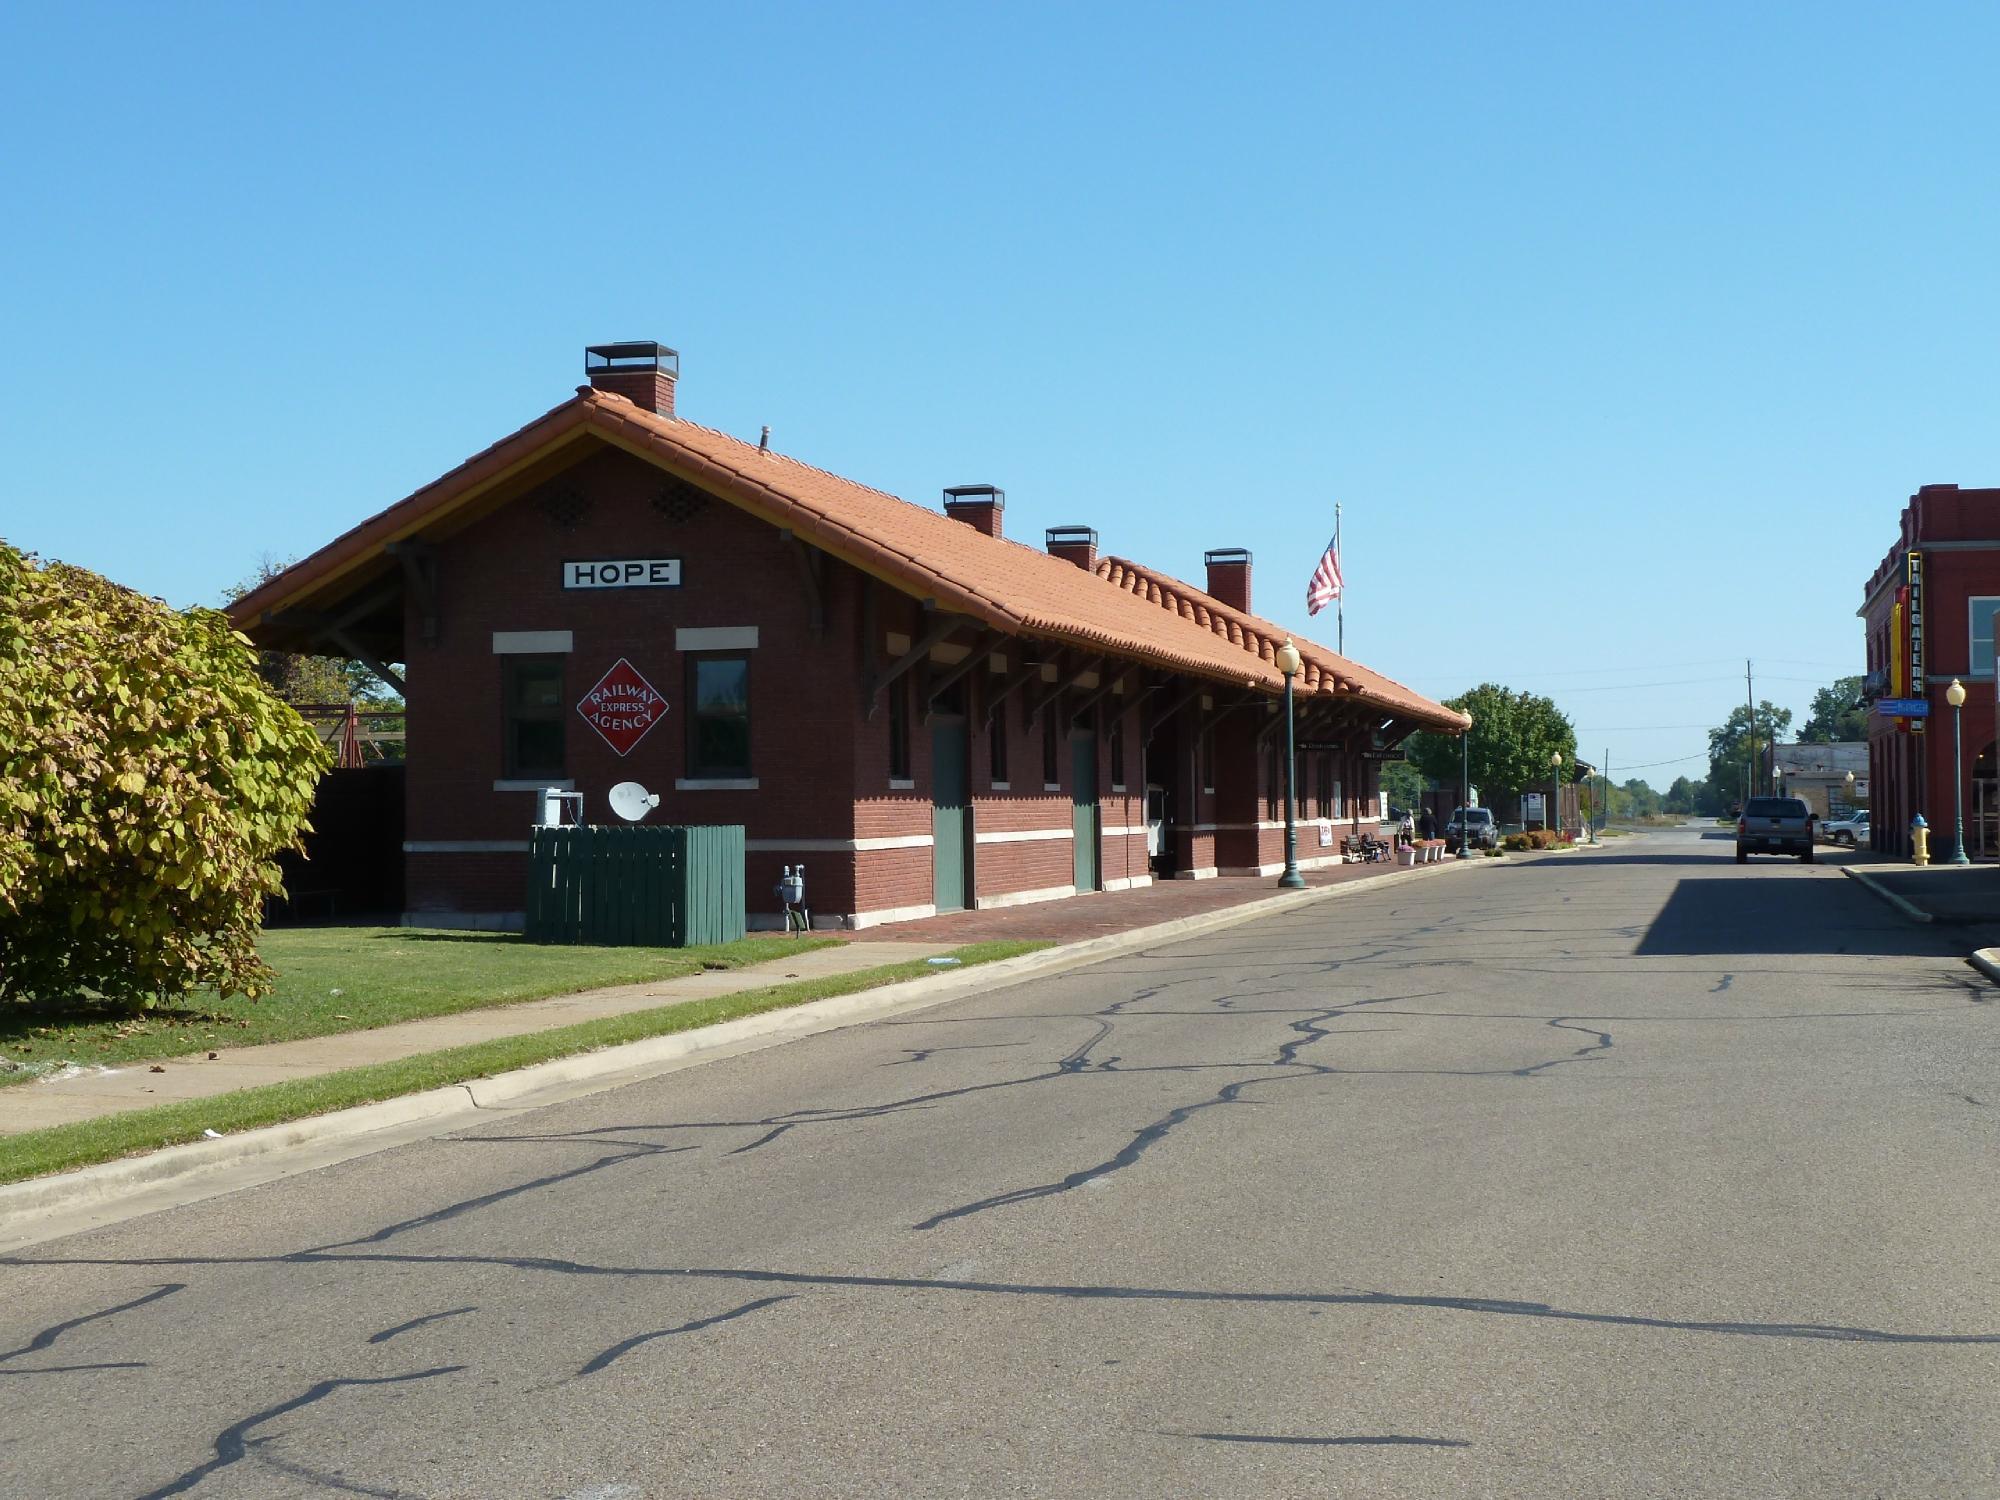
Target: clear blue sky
<point x="1643" y="320"/>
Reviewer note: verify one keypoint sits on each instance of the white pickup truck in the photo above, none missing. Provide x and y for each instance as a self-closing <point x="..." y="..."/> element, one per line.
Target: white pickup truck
<point x="1850" y="830"/>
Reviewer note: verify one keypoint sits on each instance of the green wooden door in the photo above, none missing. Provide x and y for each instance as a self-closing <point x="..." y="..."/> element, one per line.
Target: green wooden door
<point x="951" y="813"/>
<point x="1083" y="805"/>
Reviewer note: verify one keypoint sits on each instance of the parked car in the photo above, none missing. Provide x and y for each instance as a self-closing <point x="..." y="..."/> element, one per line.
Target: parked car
<point x="1775" y="825"/>
<point x="1850" y="830"/>
<point x="1480" y="829"/>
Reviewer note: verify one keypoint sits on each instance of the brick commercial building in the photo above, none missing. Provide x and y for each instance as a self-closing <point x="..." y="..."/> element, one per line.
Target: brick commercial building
<point x="1929" y="611"/>
<point x="924" y="713"/>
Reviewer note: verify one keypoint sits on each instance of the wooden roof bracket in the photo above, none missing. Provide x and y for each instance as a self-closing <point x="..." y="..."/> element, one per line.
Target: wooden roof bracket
<point x="1023" y="674"/>
<point x="1062" y="684"/>
<point x="1274" y="720"/>
<point x="381" y="669"/>
<point x="1216" y="715"/>
<point x="420" y="572"/>
<point x="1103" y="690"/>
<point x="1172" y="710"/>
<point x="334" y="630"/>
<point x="812" y="577"/>
<point x="941" y="628"/>
<point x="943" y="683"/>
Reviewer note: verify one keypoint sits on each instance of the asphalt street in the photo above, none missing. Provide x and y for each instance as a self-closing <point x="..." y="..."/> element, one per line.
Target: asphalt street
<point x="1626" y="1173"/>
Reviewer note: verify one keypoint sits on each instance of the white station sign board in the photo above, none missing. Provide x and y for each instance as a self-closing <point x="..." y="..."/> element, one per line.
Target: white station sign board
<point x="623" y="573"/>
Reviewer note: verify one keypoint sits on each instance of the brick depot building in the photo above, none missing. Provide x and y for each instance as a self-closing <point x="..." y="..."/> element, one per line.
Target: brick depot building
<point x="927" y="715"/>
<point x="1929" y="611"/>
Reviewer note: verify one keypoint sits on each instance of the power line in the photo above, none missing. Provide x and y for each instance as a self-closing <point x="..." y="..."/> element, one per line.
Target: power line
<point x="1677" y="760"/>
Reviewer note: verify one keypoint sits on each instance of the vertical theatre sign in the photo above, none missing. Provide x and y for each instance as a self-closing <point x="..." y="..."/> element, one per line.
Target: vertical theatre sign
<point x="1914" y="584"/>
<point x="622" y="707"/>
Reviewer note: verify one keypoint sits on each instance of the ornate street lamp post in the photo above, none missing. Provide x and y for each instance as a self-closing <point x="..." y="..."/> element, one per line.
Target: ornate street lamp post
<point x="1555" y="790"/>
<point x="1288" y="662"/>
<point x="1955" y="696"/>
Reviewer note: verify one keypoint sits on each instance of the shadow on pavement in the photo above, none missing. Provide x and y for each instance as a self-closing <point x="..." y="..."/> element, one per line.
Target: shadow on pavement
<point x="1742" y="913"/>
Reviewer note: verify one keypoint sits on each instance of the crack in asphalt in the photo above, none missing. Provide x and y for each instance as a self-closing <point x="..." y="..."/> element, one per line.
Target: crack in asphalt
<point x="500" y="1195"/>
<point x="257" y="1447"/>
<point x="1086" y="1292"/>
<point x="54" y="1331"/>
<point x="1383" y="1440"/>
<point x="232" y="1443"/>
<point x="388" y="1333"/>
<point x="626" y="1346"/>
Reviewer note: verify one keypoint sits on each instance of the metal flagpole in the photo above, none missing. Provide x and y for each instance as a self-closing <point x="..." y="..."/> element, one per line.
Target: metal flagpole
<point x="1340" y="602"/>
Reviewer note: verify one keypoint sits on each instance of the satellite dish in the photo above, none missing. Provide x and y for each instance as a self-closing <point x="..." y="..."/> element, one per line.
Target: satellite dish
<point x="632" y="802"/>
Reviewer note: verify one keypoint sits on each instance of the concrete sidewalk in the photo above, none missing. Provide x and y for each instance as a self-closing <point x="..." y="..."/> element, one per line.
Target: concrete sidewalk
<point x="109" y="1091"/>
<point x="1951" y="895"/>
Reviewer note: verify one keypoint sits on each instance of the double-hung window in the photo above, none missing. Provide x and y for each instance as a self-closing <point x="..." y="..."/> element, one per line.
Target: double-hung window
<point x="532" y="691"/>
<point x="718" y="697"/>
<point x="1981" y="613"/>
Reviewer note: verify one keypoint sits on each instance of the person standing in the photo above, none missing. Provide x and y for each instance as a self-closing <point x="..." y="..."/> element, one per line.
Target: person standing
<point x="1427" y="826"/>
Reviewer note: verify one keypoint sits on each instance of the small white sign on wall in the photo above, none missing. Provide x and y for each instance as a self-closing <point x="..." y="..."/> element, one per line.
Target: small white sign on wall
<point x="623" y="573"/>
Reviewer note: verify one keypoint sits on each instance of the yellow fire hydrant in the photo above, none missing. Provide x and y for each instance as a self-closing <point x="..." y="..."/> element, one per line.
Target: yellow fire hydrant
<point x="1920" y="841"/>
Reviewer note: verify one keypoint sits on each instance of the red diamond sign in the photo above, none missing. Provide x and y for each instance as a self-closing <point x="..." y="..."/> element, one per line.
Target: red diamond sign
<point x="622" y="707"/>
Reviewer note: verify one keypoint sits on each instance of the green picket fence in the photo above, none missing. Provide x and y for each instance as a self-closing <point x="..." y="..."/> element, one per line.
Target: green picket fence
<point x="625" y="886"/>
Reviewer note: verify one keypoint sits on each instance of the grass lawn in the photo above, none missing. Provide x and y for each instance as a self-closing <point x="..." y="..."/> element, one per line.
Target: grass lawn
<point x="351" y="978"/>
<point x="35" y="1152"/>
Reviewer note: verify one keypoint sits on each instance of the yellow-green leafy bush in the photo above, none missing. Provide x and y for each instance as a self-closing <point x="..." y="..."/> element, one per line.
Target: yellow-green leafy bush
<point x="148" y="780"/>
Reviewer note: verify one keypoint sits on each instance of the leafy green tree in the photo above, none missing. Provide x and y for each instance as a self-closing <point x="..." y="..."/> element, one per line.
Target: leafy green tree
<point x="1635" y="799"/>
<point x="1836" y="715"/>
<point x="1404" y="783"/>
<point x="1513" y="736"/>
<point x="148" y="780"/>
<point x="1739" y="747"/>
<point x="1679" y="797"/>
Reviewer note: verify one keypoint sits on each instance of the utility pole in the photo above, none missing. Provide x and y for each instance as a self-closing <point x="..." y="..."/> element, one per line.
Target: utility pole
<point x="1750" y="739"/>
<point x="1607" y="786"/>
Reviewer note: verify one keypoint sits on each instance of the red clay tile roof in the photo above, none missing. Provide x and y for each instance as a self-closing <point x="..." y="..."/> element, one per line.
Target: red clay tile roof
<point x="1324" y="671"/>
<point x="1002" y="584"/>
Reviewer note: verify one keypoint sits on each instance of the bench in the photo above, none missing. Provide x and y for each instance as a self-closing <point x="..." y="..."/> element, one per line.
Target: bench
<point x="1358" y="848"/>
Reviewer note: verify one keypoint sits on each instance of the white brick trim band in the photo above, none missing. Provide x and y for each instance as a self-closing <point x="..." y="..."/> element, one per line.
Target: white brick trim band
<point x="532" y="642"/>
<point x="716" y="638"/>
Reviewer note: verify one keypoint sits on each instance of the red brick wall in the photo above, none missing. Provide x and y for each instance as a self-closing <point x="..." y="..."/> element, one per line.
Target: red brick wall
<point x="503" y="573"/>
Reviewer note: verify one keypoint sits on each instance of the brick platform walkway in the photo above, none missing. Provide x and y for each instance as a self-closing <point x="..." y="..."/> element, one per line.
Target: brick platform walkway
<point x="1094" y="915"/>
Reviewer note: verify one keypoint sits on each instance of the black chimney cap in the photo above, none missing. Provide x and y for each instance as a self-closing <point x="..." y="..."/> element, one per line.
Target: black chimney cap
<point x="1226" y="555"/>
<point x="976" y="494"/>
<point x="634" y="354"/>
<point x="1071" y="535"/>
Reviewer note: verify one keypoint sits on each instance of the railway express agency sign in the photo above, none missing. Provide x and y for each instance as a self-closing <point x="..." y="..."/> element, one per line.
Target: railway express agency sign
<point x="623" y="707"/>
<point x="623" y="573"/>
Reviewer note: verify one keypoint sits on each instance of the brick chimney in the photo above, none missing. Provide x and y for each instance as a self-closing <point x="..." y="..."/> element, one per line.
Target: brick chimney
<point x="1229" y="576"/>
<point x="978" y="505"/>
<point x="1075" y="544"/>
<point x="641" y="371"/>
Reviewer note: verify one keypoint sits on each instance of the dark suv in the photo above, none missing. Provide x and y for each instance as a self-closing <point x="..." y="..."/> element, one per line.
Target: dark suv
<point x="1775" y="825"/>
<point x="1480" y="829"/>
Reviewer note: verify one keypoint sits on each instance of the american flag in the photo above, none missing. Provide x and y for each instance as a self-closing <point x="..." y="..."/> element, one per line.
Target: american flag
<point x="1326" y="585"/>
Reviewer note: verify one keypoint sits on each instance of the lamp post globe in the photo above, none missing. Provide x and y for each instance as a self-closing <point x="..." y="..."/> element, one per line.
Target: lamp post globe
<point x="1287" y="661"/>
<point x="1955" y="696"/>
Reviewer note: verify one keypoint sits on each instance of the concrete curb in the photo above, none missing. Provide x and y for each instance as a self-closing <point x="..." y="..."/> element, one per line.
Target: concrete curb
<point x="1913" y="912"/>
<point x="45" y="1208"/>
<point x="1986" y="961"/>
